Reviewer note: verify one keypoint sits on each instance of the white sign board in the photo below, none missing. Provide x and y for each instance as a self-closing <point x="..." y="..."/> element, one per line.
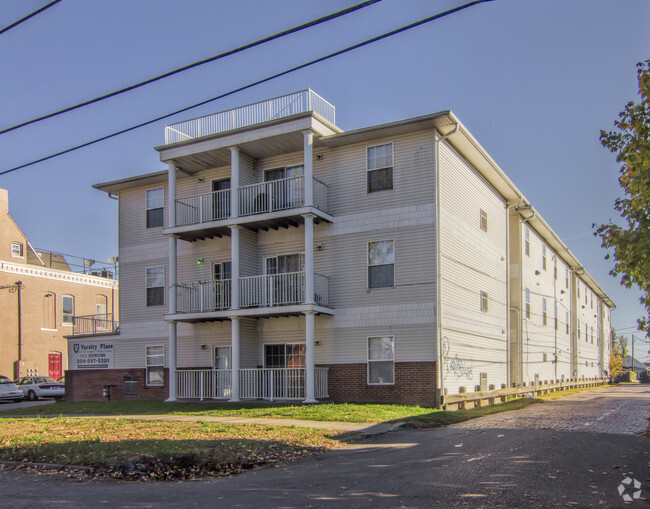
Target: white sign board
<point x="90" y="355"/>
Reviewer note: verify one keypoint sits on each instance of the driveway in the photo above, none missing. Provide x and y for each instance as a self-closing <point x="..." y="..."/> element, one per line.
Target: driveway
<point x="556" y="454"/>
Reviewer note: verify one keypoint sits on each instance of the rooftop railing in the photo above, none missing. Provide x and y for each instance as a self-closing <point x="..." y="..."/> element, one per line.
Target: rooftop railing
<point x="251" y="114"/>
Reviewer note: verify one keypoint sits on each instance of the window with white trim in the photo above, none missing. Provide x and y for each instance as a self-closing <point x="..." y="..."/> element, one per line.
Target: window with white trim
<point x="155" y="286"/>
<point x="556" y="319"/>
<point x="379" y="168"/>
<point x="527" y="240"/>
<point x="484" y="301"/>
<point x="381" y="264"/>
<point x="155" y="204"/>
<point x="17" y="250"/>
<point x="544" y="257"/>
<point x="578" y="328"/>
<point x="555" y="268"/>
<point x="155" y="365"/>
<point x="484" y="220"/>
<point x="567" y="322"/>
<point x="566" y="277"/>
<point x="67" y="309"/>
<point x="527" y="302"/>
<point x="381" y="360"/>
<point x="544" y="320"/>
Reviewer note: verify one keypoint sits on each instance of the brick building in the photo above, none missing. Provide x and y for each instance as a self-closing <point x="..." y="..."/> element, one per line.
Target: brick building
<point x="40" y="295"/>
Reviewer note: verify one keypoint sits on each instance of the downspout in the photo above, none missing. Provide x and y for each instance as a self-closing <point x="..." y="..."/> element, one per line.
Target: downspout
<point x="510" y="308"/>
<point x="436" y="253"/>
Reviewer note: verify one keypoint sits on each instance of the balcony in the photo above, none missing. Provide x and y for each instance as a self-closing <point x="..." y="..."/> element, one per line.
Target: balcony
<point x="95" y="325"/>
<point x="252" y="114"/>
<point x="261" y="383"/>
<point x="270" y="295"/>
<point x="261" y="206"/>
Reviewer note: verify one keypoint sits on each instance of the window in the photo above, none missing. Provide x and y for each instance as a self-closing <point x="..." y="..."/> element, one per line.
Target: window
<point x="527" y="302"/>
<point x="284" y="355"/>
<point x="544" y="257"/>
<point x="544" y="357"/>
<point x="155" y="205"/>
<point x="155" y="371"/>
<point x="49" y="311"/>
<point x="67" y="305"/>
<point x="555" y="268"/>
<point x="586" y="291"/>
<point x="287" y="189"/>
<point x="381" y="360"/>
<point x="100" y="306"/>
<point x="566" y="277"/>
<point x="555" y="309"/>
<point x="484" y="301"/>
<point x="567" y="322"/>
<point x="592" y="334"/>
<point x="544" y="311"/>
<point x="591" y="300"/>
<point x="527" y="240"/>
<point x="17" y="250"/>
<point x="484" y="223"/>
<point x="578" y="328"/>
<point x="222" y="357"/>
<point x="130" y="385"/>
<point x="155" y="286"/>
<point x="578" y="287"/>
<point x="379" y="165"/>
<point x="381" y="264"/>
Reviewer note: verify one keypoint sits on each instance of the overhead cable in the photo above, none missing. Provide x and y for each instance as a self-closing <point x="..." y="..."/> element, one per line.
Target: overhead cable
<point x="22" y="20"/>
<point x="259" y="42"/>
<point x="251" y="85"/>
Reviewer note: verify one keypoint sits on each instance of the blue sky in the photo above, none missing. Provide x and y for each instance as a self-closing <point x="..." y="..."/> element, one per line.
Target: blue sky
<point x="533" y="80"/>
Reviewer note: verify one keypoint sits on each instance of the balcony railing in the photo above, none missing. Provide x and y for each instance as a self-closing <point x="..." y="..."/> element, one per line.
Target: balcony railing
<point x="255" y="292"/>
<point x="257" y="198"/>
<point x="89" y="325"/>
<point x="261" y="383"/>
<point x="203" y="208"/>
<point x="203" y="296"/>
<point x="252" y="114"/>
<point x="279" y="290"/>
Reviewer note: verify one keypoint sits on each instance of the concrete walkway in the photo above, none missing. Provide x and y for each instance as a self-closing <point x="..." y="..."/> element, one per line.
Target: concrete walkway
<point x="357" y="429"/>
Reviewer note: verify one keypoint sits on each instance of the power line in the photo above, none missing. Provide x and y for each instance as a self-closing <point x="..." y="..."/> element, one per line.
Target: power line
<point x="196" y="64"/>
<point x="22" y="20"/>
<point x="251" y="85"/>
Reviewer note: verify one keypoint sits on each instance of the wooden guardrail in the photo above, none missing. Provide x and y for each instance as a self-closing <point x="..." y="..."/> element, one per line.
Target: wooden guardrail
<point x="493" y="396"/>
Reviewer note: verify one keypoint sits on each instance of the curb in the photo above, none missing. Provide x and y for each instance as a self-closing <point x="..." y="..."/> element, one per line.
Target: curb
<point x="51" y="466"/>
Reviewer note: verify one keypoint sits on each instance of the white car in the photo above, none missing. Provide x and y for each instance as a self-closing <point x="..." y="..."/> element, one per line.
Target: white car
<point x="35" y="387"/>
<point x="9" y="390"/>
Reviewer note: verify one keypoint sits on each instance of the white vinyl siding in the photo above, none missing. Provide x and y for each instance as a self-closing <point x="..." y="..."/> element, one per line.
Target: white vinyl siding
<point x="471" y="260"/>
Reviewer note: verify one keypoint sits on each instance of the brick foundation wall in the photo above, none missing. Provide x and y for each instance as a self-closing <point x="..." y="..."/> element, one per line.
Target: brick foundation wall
<point x="415" y="384"/>
<point x="87" y="385"/>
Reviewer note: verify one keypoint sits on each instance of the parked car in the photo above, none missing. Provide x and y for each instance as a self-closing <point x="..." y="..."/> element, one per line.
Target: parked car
<point x="9" y="390"/>
<point x="35" y="387"/>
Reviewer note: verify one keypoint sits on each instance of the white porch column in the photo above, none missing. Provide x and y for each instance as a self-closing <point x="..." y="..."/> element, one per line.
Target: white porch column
<point x="309" y="168"/>
<point x="309" y="258"/>
<point x="171" y="220"/>
<point x="234" y="352"/>
<point x="234" y="267"/>
<point x="309" y="358"/>
<point x="234" y="181"/>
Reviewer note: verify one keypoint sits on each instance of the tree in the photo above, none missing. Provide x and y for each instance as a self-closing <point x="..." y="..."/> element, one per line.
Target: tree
<point x="631" y="244"/>
<point x="618" y="352"/>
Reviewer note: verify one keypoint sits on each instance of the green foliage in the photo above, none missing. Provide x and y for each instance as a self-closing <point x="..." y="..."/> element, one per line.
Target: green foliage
<point x="619" y="350"/>
<point x="630" y="142"/>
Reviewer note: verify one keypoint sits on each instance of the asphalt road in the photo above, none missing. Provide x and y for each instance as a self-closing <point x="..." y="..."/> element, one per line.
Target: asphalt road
<point x="537" y="457"/>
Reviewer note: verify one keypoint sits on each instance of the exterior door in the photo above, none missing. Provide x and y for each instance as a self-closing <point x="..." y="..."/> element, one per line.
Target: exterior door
<point x="284" y="190"/>
<point x="220" y="201"/>
<point x="286" y="379"/>
<point x="286" y="284"/>
<point x="221" y="362"/>
<point x="55" y="365"/>
<point x="221" y="275"/>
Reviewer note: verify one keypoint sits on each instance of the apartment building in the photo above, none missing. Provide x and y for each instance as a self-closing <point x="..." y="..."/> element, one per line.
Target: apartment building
<point x="42" y="299"/>
<point x="280" y="257"/>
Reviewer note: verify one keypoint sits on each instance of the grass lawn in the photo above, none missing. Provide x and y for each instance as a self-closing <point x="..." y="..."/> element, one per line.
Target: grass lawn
<point x="342" y="412"/>
<point x="131" y="449"/>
